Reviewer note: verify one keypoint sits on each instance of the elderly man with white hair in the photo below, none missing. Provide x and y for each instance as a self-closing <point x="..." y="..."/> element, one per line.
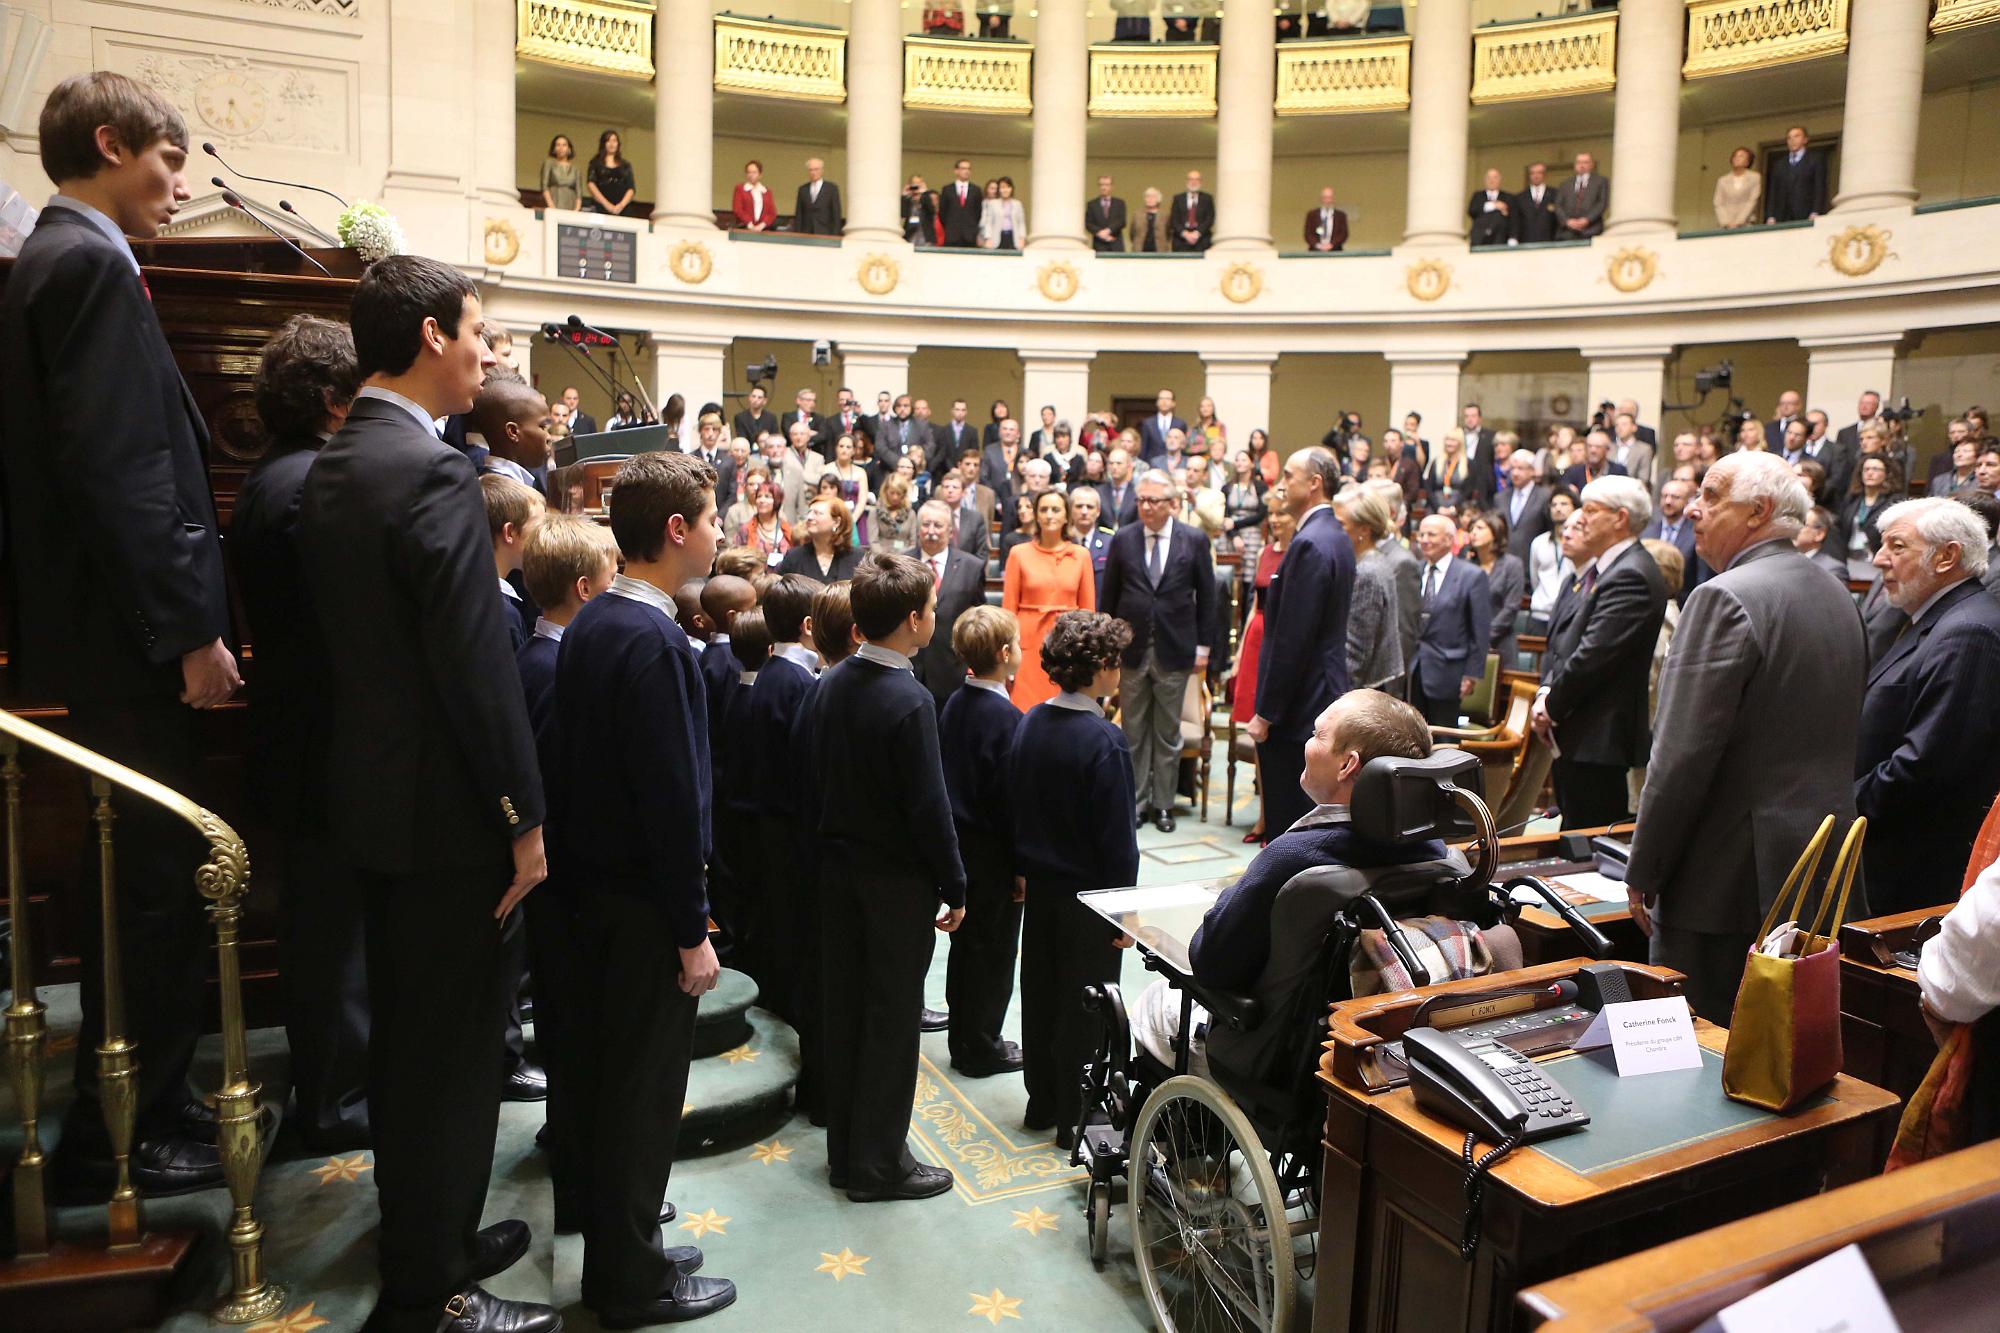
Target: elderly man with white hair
<point x="1928" y="764"/>
<point x="1597" y="672"/>
<point x="1755" y="739"/>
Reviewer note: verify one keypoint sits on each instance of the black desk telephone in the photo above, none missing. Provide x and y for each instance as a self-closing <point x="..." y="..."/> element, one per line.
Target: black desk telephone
<point x="1490" y="1089"/>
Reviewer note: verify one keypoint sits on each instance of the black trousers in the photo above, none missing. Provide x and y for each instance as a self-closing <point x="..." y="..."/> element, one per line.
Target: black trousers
<point x="513" y="976"/>
<point x="634" y="1030"/>
<point x="877" y="933"/>
<point x="555" y="952"/>
<point x="779" y="927"/>
<point x="433" y="1075"/>
<point x="162" y="935"/>
<point x="1713" y="963"/>
<point x="739" y="906"/>
<point x="1280" y="764"/>
<point x="1064" y="947"/>
<point x="324" y="978"/>
<point x="979" y="976"/>
<point x="1591" y="795"/>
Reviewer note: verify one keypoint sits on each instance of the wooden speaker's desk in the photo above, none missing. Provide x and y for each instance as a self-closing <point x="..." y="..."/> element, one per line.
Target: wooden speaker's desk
<point x="1883" y="1037"/>
<point x="1930" y="1234"/>
<point x="1544" y="937"/>
<point x="1667" y="1155"/>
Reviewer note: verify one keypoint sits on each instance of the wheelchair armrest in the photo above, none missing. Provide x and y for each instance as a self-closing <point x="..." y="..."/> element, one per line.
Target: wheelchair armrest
<point x="1241" y="1012"/>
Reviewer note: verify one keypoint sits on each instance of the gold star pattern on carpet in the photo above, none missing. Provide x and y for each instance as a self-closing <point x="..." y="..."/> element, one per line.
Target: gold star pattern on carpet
<point x="775" y="1151"/>
<point x="741" y="1055"/>
<point x="343" y="1168"/>
<point x="845" y="1264"/>
<point x="994" y="1306"/>
<point x="301" y="1320"/>
<point x="1034" y="1221"/>
<point x="703" y="1223"/>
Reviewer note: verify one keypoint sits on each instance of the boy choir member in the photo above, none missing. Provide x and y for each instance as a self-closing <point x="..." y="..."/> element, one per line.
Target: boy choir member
<point x="735" y="775"/>
<point x="512" y="513"/>
<point x="976" y="736"/>
<point x="630" y="802"/>
<point x="891" y="875"/>
<point x="1069" y="787"/>
<point x="512" y="420"/>
<point x="781" y="687"/>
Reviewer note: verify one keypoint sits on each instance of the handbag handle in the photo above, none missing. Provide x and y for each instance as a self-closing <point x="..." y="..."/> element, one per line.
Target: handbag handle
<point x="1845" y="866"/>
<point x="1801" y="877"/>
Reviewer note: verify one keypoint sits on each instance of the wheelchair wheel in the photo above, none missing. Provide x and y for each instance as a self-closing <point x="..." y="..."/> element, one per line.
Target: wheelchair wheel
<point x="1097" y="1216"/>
<point x="1209" y="1229"/>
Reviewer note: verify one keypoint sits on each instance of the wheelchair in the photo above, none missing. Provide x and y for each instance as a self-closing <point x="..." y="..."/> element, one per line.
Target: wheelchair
<point x="1222" y="1172"/>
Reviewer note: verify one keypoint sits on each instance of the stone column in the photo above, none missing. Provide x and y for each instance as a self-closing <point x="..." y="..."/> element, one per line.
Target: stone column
<point x="1425" y="383"/>
<point x="869" y="368"/>
<point x="1058" y="377"/>
<point x="1638" y="373"/>
<point x="1645" y="139"/>
<point x="1885" y="90"/>
<point x="874" y="121"/>
<point x="433" y="73"/>
<point x="494" y="173"/>
<point x="1840" y="369"/>
<point x="684" y="118"/>
<point x="1246" y="85"/>
<point x="689" y="365"/>
<point x="1240" y="384"/>
<point x="1062" y="76"/>
<point x="1440" y="106"/>
<point x="527" y="342"/>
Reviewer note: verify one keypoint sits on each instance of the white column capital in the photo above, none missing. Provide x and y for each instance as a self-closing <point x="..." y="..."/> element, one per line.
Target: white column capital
<point x="1055" y="359"/>
<point x="1240" y="360"/>
<point x="1635" y="355"/>
<point x="877" y="351"/>
<point x="1855" y="346"/>
<point x="1426" y="358"/>
<point x="691" y="343"/>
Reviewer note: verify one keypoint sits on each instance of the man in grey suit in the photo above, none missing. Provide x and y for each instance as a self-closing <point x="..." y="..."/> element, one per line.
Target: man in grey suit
<point x="1755" y="739"/>
<point x="1524" y="502"/>
<point x="1582" y="200"/>
<point x="1456" y="621"/>
<point x="1627" y="448"/>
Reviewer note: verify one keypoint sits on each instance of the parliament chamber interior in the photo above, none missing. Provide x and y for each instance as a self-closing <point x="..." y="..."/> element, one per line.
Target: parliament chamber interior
<point x="1541" y="619"/>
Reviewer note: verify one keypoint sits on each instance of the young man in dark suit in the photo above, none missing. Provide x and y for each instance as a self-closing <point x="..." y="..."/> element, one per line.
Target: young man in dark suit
<point x="1796" y="190"/>
<point x="433" y="790"/>
<point x="1304" y="662"/>
<point x="958" y="207"/>
<point x="1117" y="493"/>
<point x="630" y="800"/>
<point x="972" y="534"/>
<point x="961" y="585"/>
<point x="775" y="698"/>
<point x="305" y="381"/>
<point x="116" y="584"/>
<point x="1670" y="523"/>
<point x="1160" y="581"/>
<point x="1104" y="219"/>
<point x="1536" y="215"/>
<point x="1453" y="625"/>
<point x="756" y="420"/>
<point x="891" y="876"/>
<point x="1153" y="429"/>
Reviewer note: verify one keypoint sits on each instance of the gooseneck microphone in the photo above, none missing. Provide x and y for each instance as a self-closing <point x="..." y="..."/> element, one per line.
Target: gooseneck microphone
<point x="618" y="350"/>
<point x="209" y="148"/>
<point x="235" y="201"/>
<point x="554" y="333"/>
<point x="306" y="222"/>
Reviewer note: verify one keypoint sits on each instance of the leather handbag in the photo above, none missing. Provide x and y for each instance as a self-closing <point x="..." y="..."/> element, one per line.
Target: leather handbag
<point x="1784" y="1034"/>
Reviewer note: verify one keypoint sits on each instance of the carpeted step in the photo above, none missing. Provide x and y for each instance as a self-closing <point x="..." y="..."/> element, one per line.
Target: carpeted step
<point x="723" y="1021"/>
<point x="734" y="1091"/>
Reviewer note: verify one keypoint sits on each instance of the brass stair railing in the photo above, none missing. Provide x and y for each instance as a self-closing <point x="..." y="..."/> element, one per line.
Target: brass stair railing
<point x="222" y="879"/>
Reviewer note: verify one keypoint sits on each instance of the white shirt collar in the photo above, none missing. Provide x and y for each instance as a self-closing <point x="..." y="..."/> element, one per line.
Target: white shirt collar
<point x="995" y="686"/>
<point x="1082" y="703"/>
<point x="548" y="629"/>
<point x="798" y="652"/>
<point x="639" y="590"/>
<point x="1322" y="816"/>
<point x="97" y="218"/>
<point x="748" y="678"/>
<point x="425" y="420"/>
<point x="1443" y="563"/>
<point x="1307" y="516"/>
<point x="1609" y="556"/>
<point x="718" y="640"/>
<point x="508" y="589"/>
<point x="1916" y="616"/>
<point x="507" y="467"/>
<point x="882" y="657"/>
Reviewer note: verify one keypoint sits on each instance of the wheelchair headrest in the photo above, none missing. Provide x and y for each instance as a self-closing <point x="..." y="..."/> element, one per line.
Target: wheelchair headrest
<point x="1398" y="801"/>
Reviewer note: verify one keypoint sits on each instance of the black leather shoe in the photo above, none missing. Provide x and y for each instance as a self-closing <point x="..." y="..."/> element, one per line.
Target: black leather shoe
<point x="567" y="1223"/>
<point x="1065" y="1138"/>
<point x="498" y="1248"/>
<point x="1163" y="820"/>
<point x="476" y="1310"/>
<point x="526" y="1084"/>
<point x="1145" y="814"/>
<point x="691" y="1298"/>
<point x="1006" y="1060"/>
<point x="1036" y="1120"/>
<point x="923" y="1182"/>
<point x="934" y="1020"/>
<point x="161" y="1168"/>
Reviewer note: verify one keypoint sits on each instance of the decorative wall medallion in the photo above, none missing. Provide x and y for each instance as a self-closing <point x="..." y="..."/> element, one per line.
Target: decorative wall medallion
<point x="235" y="431"/>
<point x="1428" y="279"/>
<point x="1058" y="280"/>
<point x="503" y="243"/>
<point x="878" y="275"/>
<point x="241" y="97"/>
<point x="232" y="101"/>
<point x="1242" y="282"/>
<point x="1859" y="250"/>
<point x="1559" y="405"/>
<point x="691" y="261"/>
<point x="1632" y="268"/>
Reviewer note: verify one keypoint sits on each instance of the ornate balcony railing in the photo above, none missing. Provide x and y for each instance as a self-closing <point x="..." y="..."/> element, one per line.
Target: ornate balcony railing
<point x="1545" y="58"/>
<point x="1165" y="80"/>
<point x="605" y="36"/>
<point x="1728" y="35"/>
<point x="1963" y="13"/>
<point x="1358" y="74"/>
<point x="957" y="74"/>
<point x="803" y="62"/>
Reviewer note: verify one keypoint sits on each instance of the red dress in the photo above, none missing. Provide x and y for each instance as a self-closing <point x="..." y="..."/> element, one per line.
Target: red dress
<point x="751" y="208"/>
<point x="1243" y="701"/>
<point x="1041" y="585"/>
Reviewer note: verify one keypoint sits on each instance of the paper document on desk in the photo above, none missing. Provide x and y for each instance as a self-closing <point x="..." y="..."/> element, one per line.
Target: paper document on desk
<point x="1591" y="885"/>
<point x="1838" y="1294"/>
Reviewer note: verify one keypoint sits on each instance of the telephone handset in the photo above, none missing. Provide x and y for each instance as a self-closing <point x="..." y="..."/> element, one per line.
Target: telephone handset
<point x="1487" y="1088"/>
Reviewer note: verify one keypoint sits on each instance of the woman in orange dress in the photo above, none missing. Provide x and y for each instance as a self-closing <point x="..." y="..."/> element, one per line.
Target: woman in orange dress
<point x="1045" y="577"/>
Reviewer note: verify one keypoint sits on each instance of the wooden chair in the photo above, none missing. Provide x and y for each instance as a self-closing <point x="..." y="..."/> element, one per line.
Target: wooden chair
<point x="1483" y="703"/>
<point x="1237" y="748"/>
<point x="1198" y="734"/>
<point x="1499" y="748"/>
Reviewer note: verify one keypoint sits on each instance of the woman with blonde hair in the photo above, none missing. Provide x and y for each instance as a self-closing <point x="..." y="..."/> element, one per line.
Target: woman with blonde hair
<point x="1448" y="478"/>
<point x="1374" y="639"/>
<point x="893" y="525"/>
<point x="1750" y="437"/>
<point x="828" y="552"/>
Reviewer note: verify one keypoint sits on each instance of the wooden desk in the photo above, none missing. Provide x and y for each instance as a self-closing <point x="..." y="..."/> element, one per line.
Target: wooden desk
<point x="1927" y="1233"/>
<point x="1883" y="1038"/>
<point x="1544" y="937"/>
<point x="1392" y="1200"/>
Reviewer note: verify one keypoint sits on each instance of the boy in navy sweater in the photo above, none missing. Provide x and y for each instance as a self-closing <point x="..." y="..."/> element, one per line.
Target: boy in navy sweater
<point x="774" y="788"/>
<point x="629" y="820"/>
<point x="1069" y="788"/>
<point x="891" y="874"/>
<point x="567" y="561"/>
<point x="513" y="511"/>
<point x="722" y="598"/>
<point x="976" y="736"/>
<point x="831" y="629"/>
<point x="748" y="918"/>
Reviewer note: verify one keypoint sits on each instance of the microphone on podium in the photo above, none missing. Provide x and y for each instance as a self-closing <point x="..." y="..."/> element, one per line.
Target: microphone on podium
<point x="618" y="350"/>
<point x="209" y="148"/>
<point x="304" y="221"/>
<point x="235" y="201"/>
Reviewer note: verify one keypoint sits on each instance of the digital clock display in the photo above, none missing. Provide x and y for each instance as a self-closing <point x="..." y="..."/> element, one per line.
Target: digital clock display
<point x="601" y="254"/>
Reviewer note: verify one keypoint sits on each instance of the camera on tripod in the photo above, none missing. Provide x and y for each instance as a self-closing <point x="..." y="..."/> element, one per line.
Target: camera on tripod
<point x="1902" y="411"/>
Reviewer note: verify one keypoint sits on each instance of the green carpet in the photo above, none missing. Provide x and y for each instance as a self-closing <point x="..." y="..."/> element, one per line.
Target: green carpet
<point x="1006" y="1247"/>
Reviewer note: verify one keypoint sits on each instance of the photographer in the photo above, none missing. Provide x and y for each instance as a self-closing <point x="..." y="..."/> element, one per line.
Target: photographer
<point x="919" y="207"/>
<point x="1345" y="424"/>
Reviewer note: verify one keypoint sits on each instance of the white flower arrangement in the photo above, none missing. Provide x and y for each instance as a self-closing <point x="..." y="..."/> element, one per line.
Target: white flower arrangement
<point x="370" y="231"/>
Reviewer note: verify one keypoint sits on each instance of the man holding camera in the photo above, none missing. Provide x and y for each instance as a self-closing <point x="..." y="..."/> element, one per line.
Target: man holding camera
<point x="919" y="213"/>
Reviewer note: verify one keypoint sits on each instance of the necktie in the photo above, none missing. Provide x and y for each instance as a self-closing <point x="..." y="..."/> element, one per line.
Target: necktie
<point x="1589" y="580"/>
<point x="1153" y="558"/>
<point x="1430" y="582"/>
<point x="937" y="569"/>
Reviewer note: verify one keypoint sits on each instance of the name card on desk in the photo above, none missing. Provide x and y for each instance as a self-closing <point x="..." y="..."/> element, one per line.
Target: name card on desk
<point x="1838" y="1294"/>
<point x="1645" y="1036"/>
